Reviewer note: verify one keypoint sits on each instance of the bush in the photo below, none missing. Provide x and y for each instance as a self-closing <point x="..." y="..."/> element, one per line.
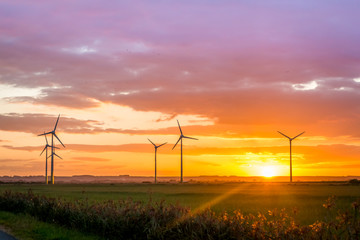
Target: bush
<point x="354" y="182"/>
<point x="127" y="219"/>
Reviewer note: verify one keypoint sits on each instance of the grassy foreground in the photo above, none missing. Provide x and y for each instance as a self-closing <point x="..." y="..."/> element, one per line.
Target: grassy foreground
<point x="26" y="227"/>
<point x="129" y="219"/>
<point x="306" y="199"/>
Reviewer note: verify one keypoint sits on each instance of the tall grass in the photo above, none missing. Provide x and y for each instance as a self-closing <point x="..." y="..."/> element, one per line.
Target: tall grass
<point x="26" y="227"/>
<point x="128" y="219"/>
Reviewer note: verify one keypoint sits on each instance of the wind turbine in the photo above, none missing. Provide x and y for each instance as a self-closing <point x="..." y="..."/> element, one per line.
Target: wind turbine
<point x="156" y="147"/>
<point x="290" y="140"/>
<point x="53" y="134"/>
<point x="46" y="158"/>
<point x="180" y="139"/>
<point x="52" y="157"/>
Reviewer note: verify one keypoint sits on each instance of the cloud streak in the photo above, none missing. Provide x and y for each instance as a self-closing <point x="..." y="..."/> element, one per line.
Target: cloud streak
<point x="303" y="154"/>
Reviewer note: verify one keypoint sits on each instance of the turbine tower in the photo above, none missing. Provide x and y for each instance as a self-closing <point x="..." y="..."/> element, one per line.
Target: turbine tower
<point x="156" y="147"/>
<point x="53" y="134"/>
<point x="181" y="146"/>
<point x="290" y="140"/>
<point x="52" y="157"/>
<point x="46" y="158"/>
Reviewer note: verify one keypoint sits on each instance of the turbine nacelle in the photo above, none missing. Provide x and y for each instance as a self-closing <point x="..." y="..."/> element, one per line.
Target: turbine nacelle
<point x="290" y="139"/>
<point x="53" y="132"/>
<point x="46" y="146"/>
<point x="156" y="146"/>
<point x="54" y="155"/>
<point x="182" y="135"/>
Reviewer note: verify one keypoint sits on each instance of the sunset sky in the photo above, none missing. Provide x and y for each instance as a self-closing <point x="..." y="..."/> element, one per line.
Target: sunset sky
<point x="232" y="72"/>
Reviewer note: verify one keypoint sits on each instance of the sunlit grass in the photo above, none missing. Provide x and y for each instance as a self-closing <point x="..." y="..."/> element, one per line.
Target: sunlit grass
<point x="129" y="219"/>
<point x="248" y="197"/>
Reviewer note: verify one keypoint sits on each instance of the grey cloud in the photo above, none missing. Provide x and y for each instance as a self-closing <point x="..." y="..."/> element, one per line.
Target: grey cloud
<point x="38" y="123"/>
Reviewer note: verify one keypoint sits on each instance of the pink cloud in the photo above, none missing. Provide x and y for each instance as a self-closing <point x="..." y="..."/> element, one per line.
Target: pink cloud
<point x="234" y="62"/>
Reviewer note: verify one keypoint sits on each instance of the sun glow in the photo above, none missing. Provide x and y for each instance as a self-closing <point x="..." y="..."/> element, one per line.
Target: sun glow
<point x="268" y="171"/>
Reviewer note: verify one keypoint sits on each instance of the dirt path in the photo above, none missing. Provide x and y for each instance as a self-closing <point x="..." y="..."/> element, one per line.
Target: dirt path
<point x="5" y="236"/>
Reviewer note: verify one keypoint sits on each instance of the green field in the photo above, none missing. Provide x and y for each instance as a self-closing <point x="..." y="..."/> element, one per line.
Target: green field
<point x="25" y="227"/>
<point x="306" y="198"/>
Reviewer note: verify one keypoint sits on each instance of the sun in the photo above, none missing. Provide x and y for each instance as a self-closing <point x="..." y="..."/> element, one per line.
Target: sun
<point x="268" y="171"/>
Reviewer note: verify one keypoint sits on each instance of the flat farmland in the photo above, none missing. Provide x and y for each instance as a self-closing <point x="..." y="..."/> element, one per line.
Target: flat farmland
<point x="304" y="201"/>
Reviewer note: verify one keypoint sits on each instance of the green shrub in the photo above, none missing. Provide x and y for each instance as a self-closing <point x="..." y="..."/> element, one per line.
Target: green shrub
<point x="128" y="219"/>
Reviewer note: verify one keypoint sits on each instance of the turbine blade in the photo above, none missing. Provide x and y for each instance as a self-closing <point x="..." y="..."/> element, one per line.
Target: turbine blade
<point x="162" y="144"/>
<point x="57" y="156"/>
<point x="179" y="127"/>
<point x="59" y="140"/>
<point x="55" y="147"/>
<point x="56" y="122"/>
<point x="152" y="143"/>
<point x="298" y="135"/>
<point x="44" y="134"/>
<point x="284" y="135"/>
<point x="47" y="143"/>
<point x="43" y="150"/>
<point x="190" y="138"/>
<point x="176" y="142"/>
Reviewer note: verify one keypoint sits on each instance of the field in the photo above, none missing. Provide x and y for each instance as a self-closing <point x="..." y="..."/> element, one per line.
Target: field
<point x="304" y="199"/>
<point x="182" y="211"/>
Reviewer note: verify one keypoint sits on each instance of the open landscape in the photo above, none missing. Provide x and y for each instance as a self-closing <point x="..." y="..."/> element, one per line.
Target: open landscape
<point x="300" y="204"/>
<point x="306" y="198"/>
<point x="179" y="120"/>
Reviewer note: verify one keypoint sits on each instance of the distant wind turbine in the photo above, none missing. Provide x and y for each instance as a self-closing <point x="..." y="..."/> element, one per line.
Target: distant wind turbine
<point x="180" y="139"/>
<point x="53" y="134"/>
<point x="290" y="140"/>
<point x="46" y="158"/>
<point x="54" y="154"/>
<point x="52" y="157"/>
<point x="156" y="147"/>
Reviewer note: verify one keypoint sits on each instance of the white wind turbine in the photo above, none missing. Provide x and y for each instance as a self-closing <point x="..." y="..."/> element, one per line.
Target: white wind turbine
<point x="290" y="140"/>
<point x="52" y="169"/>
<point x="46" y="158"/>
<point x="180" y="139"/>
<point x="156" y="147"/>
<point x="53" y="134"/>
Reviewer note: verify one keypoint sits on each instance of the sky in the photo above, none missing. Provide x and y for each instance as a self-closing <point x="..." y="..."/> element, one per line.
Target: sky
<point x="232" y="72"/>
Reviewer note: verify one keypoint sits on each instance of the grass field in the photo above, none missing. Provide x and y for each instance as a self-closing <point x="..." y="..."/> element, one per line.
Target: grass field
<point x="304" y="198"/>
<point x="26" y="227"/>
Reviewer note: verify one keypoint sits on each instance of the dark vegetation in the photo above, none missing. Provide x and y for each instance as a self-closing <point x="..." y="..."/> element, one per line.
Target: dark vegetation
<point x="354" y="181"/>
<point x="128" y="219"/>
<point x="249" y="198"/>
<point x="25" y="227"/>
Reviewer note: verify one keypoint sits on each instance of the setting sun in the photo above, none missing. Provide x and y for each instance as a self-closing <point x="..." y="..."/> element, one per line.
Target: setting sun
<point x="190" y="119"/>
<point x="268" y="171"/>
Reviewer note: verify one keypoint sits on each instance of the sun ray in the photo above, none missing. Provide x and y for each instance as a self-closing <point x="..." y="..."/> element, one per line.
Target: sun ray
<point x="205" y="206"/>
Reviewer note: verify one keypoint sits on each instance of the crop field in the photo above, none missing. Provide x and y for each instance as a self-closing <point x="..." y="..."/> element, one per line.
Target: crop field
<point x="303" y="201"/>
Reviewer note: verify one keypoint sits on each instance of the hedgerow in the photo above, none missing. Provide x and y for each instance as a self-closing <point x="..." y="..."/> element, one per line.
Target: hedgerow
<point x="128" y="219"/>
